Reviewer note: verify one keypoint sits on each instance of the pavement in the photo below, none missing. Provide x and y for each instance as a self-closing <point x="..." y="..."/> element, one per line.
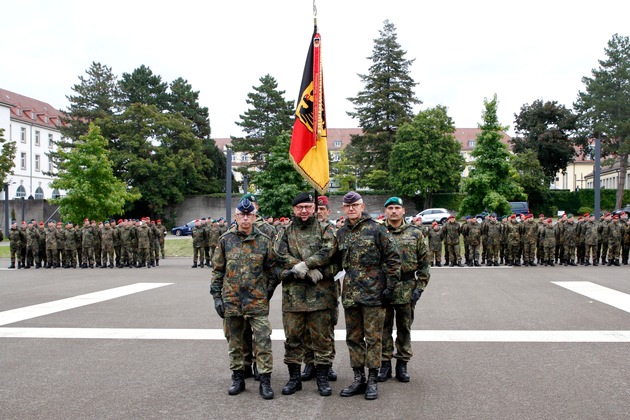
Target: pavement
<point x="489" y="343"/>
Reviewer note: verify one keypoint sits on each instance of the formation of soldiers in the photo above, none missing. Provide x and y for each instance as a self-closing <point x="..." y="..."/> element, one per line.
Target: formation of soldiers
<point x="516" y="241"/>
<point x="205" y="237"/>
<point x="128" y="243"/>
<point x="379" y="269"/>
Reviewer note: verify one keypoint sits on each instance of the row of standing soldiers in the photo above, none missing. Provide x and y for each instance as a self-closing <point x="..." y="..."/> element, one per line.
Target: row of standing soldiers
<point x="130" y="243"/>
<point x="205" y="236"/>
<point x="529" y="242"/>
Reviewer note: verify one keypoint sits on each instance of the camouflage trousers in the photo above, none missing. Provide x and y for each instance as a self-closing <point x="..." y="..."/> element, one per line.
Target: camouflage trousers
<point x="143" y="255"/>
<point x="453" y="252"/>
<point x="32" y="254"/>
<point x="514" y="252"/>
<point x="248" y="342"/>
<point x="108" y="253"/>
<point x="364" y="334"/>
<point x="529" y="251"/>
<point x="313" y="330"/>
<point x="590" y="250"/>
<point x="88" y="255"/>
<point x="492" y="252"/>
<point x="162" y="248"/>
<point x="473" y="252"/>
<point x="309" y="355"/>
<point x="261" y="327"/>
<point x="613" y="250"/>
<point x="70" y="257"/>
<point x="569" y="252"/>
<point x="16" y="250"/>
<point x="403" y="314"/>
<point x="436" y="256"/>
<point x="548" y="253"/>
<point x="197" y="255"/>
<point x="52" y="257"/>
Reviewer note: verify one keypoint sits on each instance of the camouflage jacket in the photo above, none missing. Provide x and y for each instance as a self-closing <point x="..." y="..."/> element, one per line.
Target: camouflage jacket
<point x="198" y="235"/>
<point x="530" y="231"/>
<point x="215" y="233"/>
<point x="87" y="236"/>
<point x="414" y="261"/>
<point x="513" y="230"/>
<point x="371" y="259"/>
<point x="15" y="237"/>
<point x="451" y="232"/>
<point x="162" y="232"/>
<point x="107" y="237"/>
<point x="144" y="235"/>
<point x="569" y="234"/>
<point x="315" y="244"/>
<point x="435" y="239"/>
<point x="262" y="225"/>
<point x="51" y="238"/>
<point x="615" y="232"/>
<point x="549" y="236"/>
<point x="32" y="237"/>
<point x="474" y="233"/>
<point x="70" y="239"/>
<point x="240" y="272"/>
<point x="626" y="233"/>
<point x="492" y="231"/>
<point x="590" y="233"/>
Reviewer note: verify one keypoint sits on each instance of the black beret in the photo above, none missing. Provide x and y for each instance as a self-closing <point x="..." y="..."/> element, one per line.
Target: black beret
<point x="302" y="197"/>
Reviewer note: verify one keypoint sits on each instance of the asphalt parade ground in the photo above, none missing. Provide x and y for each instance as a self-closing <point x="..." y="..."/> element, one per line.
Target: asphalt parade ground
<point x="489" y="343"/>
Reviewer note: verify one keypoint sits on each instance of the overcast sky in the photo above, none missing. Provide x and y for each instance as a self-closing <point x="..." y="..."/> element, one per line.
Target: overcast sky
<point x="464" y="51"/>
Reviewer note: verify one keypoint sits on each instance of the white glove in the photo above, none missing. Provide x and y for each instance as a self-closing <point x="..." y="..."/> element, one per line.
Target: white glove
<point x="300" y="269"/>
<point x="314" y="275"/>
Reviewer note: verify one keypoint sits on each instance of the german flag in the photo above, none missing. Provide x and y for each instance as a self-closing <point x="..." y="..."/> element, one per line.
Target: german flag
<point x="309" y="150"/>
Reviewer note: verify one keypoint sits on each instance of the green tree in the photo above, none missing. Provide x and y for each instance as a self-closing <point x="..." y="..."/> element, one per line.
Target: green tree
<point x="426" y="157"/>
<point x="185" y="100"/>
<point x="604" y="107"/>
<point x="280" y="182"/>
<point x="96" y="97"/>
<point x="385" y="103"/>
<point x="7" y="155"/>
<point x="531" y="176"/>
<point x="143" y="87"/>
<point x="547" y="129"/>
<point x="492" y="180"/>
<point x="268" y="117"/>
<point x="85" y="173"/>
<point x="343" y="173"/>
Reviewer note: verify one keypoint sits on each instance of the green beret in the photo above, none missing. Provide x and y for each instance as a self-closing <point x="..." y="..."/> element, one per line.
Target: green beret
<point x="394" y="200"/>
<point x="249" y="196"/>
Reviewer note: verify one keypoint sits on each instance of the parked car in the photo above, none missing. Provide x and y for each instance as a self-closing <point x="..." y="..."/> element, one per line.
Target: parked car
<point x="183" y="230"/>
<point x="519" y="207"/>
<point x="434" y="215"/>
<point x="625" y="209"/>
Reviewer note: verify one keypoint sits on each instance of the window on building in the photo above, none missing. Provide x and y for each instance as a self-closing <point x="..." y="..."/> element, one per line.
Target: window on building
<point x="37" y="162"/>
<point x="23" y="134"/>
<point x="55" y="193"/>
<point x="233" y="157"/>
<point x="472" y="143"/>
<point x="39" y="193"/>
<point x="337" y="143"/>
<point x="37" y="135"/>
<point x="50" y="164"/>
<point x="21" y="191"/>
<point x="50" y="141"/>
<point x="22" y="160"/>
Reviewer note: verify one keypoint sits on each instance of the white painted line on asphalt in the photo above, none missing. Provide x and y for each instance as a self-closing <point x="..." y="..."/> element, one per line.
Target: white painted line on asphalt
<point x="602" y="294"/>
<point x="478" y="336"/>
<point x="28" y="312"/>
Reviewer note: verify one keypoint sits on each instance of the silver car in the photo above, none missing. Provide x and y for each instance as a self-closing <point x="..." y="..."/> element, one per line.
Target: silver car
<point x="434" y="215"/>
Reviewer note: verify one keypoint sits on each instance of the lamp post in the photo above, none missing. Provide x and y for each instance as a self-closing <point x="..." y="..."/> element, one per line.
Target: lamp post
<point x="6" y="208"/>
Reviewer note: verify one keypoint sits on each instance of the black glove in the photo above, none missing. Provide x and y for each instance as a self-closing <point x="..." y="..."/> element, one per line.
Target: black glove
<point x="270" y="293"/>
<point x="218" y="306"/>
<point x="387" y="295"/>
<point x="288" y="275"/>
<point x="415" y="295"/>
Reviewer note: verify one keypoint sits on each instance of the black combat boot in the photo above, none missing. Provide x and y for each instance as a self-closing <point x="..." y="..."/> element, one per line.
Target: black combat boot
<point x="157" y="263"/>
<point x="238" y="383"/>
<point x="332" y="375"/>
<point x="616" y="263"/>
<point x="551" y="263"/>
<point x="247" y="373"/>
<point x="265" y="386"/>
<point x="12" y="264"/>
<point x="358" y="386"/>
<point x="323" y="386"/>
<point x="610" y="262"/>
<point x="401" y="371"/>
<point x="385" y="372"/>
<point x="309" y="372"/>
<point x="371" y="391"/>
<point x="477" y="263"/>
<point x="532" y="263"/>
<point x="572" y="263"/>
<point x="201" y="264"/>
<point x="194" y="265"/>
<point x="439" y="264"/>
<point x="295" y="382"/>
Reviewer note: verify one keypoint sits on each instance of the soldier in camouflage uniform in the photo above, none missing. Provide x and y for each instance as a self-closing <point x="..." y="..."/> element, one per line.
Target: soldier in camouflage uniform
<point x="161" y="236"/>
<point x="32" y="246"/>
<point x="581" y="245"/>
<point x="474" y="241"/>
<point x="97" y="242"/>
<point x="60" y="245"/>
<point x="539" y="245"/>
<point x="569" y="236"/>
<point x="15" y="244"/>
<point x="143" y="233"/>
<point x="605" y="220"/>
<point x="240" y="288"/>
<point x="368" y="254"/>
<point x="42" y="257"/>
<point x="530" y="237"/>
<point x="198" y="236"/>
<point x="492" y="232"/>
<point x="464" y="232"/>
<point x="118" y="243"/>
<point x="414" y="277"/>
<point x="213" y="237"/>
<point x="615" y="236"/>
<point x="87" y="244"/>
<point x="52" y="257"/>
<point x="309" y="372"/>
<point x="625" y="245"/>
<point x="549" y="242"/>
<point x="126" y="244"/>
<point x="452" y="230"/>
<point x="155" y="243"/>
<point x="303" y="251"/>
<point x="23" y="248"/>
<point x="503" y="244"/>
<point x="70" y="238"/>
<point x="435" y="244"/>
<point x="590" y="240"/>
<point x="107" y="245"/>
<point x="513" y="231"/>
